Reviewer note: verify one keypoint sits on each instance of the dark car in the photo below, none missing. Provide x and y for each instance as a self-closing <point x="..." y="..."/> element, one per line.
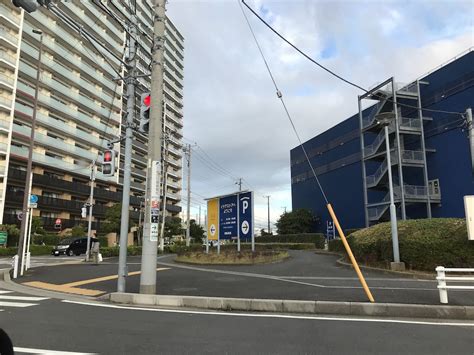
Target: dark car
<point x="72" y="246"/>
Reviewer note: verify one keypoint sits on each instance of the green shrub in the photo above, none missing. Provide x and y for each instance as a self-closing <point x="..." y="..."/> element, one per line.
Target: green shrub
<point x="47" y="239"/>
<point x="316" y="238"/>
<point x="10" y="251"/>
<point x="349" y="231"/>
<point x="424" y="244"/>
<point x="34" y="250"/>
<point x="114" y="251"/>
<point x="103" y="241"/>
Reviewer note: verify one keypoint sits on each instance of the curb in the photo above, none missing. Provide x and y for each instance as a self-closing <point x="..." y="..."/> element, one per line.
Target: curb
<point x="421" y="276"/>
<point x="395" y="310"/>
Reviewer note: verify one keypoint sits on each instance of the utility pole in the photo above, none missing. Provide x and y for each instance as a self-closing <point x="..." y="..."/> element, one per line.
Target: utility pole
<point x="188" y="156"/>
<point x="239" y="183"/>
<point x="127" y="167"/>
<point x="471" y="136"/>
<point x="199" y="215"/>
<point x="91" y="203"/>
<point x="149" y="250"/>
<point x="165" y="188"/>
<point x="268" y="204"/>
<point x="29" y="164"/>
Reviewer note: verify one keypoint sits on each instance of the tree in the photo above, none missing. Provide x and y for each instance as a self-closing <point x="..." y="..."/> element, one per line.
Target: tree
<point x="113" y="215"/>
<point x="297" y="221"/>
<point x="196" y="231"/>
<point x="263" y="233"/>
<point x="78" y="231"/>
<point x="173" y="227"/>
<point x="13" y="234"/>
<point x="37" y="226"/>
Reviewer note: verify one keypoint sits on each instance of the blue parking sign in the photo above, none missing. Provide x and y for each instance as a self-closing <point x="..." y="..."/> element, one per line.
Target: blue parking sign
<point x="245" y="216"/>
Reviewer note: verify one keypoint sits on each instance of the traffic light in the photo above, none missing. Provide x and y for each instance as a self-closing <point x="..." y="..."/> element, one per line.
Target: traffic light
<point x="84" y="212"/>
<point x="145" y="101"/>
<point x="108" y="163"/>
<point x="30" y="5"/>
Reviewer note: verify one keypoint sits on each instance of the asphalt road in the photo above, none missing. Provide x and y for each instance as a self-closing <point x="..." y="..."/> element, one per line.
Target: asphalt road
<point x="305" y="276"/>
<point x="55" y="325"/>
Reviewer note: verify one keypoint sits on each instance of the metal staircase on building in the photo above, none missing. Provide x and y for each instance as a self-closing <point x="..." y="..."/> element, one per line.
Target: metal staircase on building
<point x="395" y="109"/>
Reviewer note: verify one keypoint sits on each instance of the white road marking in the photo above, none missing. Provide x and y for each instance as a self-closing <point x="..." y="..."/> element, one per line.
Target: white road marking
<point x="17" y="304"/>
<point x="43" y="351"/>
<point x="284" y="279"/>
<point x="4" y="292"/>
<point x="282" y="316"/>
<point x="23" y="298"/>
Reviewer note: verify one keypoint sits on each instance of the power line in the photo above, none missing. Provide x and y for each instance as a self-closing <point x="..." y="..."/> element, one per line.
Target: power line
<point x="322" y="66"/>
<point x="280" y="96"/>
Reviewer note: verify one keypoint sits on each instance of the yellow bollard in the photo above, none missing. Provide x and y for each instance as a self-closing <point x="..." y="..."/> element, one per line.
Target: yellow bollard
<point x="349" y="252"/>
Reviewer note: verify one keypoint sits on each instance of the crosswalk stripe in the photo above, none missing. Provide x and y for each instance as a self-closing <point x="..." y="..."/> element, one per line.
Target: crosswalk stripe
<point x="3" y="292"/>
<point x="22" y="298"/>
<point x="17" y="304"/>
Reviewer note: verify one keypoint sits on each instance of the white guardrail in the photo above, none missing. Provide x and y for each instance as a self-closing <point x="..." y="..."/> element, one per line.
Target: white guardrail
<point x="442" y="278"/>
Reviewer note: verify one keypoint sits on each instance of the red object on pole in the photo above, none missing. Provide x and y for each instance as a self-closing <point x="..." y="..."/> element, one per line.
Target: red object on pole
<point x="147" y="100"/>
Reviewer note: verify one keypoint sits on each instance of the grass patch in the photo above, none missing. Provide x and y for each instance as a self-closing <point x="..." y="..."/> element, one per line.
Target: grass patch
<point x="245" y="257"/>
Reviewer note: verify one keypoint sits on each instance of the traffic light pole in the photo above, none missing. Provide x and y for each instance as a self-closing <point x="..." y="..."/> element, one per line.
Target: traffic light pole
<point x="130" y="80"/>
<point x="188" y="225"/>
<point x="150" y="236"/>
<point x="91" y="203"/>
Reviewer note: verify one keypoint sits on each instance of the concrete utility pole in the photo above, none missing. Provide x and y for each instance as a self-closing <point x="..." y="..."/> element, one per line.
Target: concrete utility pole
<point x="165" y="188"/>
<point x="91" y="203"/>
<point x="127" y="167"/>
<point x="150" y="239"/>
<point x="188" y="156"/>
<point x="268" y="207"/>
<point x="29" y="164"/>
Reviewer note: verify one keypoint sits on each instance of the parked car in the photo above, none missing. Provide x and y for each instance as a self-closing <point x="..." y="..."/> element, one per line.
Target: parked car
<point x="72" y="246"/>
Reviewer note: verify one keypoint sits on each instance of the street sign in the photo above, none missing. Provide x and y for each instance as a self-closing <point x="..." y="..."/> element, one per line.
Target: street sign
<point x="155" y="201"/>
<point x="228" y="228"/>
<point x="32" y="205"/>
<point x="3" y="237"/>
<point x="213" y="219"/>
<point x="245" y="215"/>
<point x="19" y="216"/>
<point x="33" y="199"/>
<point x="330" y="231"/>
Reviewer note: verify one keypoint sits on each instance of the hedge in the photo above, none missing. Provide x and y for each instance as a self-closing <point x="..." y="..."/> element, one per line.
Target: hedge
<point x="316" y="238"/>
<point x="424" y="244"/>
<point x="34" y="249"/>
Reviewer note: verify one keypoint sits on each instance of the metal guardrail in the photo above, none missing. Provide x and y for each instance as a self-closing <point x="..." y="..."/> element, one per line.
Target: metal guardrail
<point x="442" y="278"/>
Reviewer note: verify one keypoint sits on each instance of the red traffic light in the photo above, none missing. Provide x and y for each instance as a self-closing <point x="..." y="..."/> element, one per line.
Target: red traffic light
<point x="108" y="156"/>
<point x="147" y="100"/>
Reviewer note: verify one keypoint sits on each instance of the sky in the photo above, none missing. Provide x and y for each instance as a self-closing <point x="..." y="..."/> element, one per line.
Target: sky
<point x="231" y="110"/>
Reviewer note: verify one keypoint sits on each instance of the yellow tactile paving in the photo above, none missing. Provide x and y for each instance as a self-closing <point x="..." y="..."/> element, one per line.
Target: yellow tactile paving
<point x="71" y="287"/>
<point x="63" y="288"/>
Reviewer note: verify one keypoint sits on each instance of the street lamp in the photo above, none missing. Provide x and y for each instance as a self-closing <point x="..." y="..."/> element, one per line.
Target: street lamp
<point x="28" y="179"/>
<point x="384" y="120"/>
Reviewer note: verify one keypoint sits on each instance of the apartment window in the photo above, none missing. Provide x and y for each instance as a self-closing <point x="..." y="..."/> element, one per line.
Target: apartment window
<point x="85" y="130"/>
<point x="53" y="175"/>
<point x="57" y="118"/>
<point x="62" y="82"/>
<point x="54" y="136"/>
<point x="53" y="155"/>
<point x="82" y="146"/>
<point x="81" y="181"/>
<point x="57" y="98"/>
<point x="84" y="112"/>
<point x="50" y="194"/>
<point x="48" y="214"/>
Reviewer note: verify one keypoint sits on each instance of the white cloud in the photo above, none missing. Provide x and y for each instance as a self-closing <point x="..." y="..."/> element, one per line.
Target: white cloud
<point x="231" y="109"/>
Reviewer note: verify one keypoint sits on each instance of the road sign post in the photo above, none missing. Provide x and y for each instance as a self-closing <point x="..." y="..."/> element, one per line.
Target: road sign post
<point x="245" y="209"/>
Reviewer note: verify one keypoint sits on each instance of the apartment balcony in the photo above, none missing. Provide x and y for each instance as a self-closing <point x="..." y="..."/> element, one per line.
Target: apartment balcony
<point x="6" y="102"/>
<point x="11" y="16"/>
<point x="61" y="127"/>
<point x="7" y="81"/>
<point x="8" y="39"/>
<point x="64" y="109"/>
<point x="65" y="74"/>
<point x="8" y="59"/>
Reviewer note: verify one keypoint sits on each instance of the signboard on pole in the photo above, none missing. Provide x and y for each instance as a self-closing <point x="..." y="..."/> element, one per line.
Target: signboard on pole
<point x="155" y="201"/>
<point x="330" y="231"/>
<point x="228" y="228"/>
<point x="245" y="216"/>
<point x="213" y="219"/>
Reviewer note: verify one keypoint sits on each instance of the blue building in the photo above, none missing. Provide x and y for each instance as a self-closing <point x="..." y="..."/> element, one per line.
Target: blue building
<point x="428" y="160"/>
